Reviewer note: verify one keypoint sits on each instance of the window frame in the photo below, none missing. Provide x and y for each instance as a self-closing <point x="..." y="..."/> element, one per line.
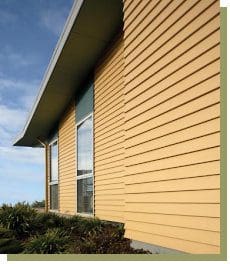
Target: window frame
<point x="89" y="174"/>
<point x="55" y="182"/>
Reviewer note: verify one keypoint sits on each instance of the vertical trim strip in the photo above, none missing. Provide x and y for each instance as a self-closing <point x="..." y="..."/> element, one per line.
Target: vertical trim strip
<point x="223" y="135"/>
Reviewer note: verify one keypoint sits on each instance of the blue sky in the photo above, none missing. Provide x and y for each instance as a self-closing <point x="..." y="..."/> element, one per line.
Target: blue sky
<point x="29" y="31"/>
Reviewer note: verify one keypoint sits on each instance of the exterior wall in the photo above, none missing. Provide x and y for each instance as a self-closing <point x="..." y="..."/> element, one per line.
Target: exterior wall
<point x="172" y="126"/>
<point x="109" y="135"/>
<point x="67" y="162"/>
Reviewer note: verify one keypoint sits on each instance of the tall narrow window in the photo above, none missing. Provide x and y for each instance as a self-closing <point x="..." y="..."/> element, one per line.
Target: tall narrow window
<point x="85" y="166"/>
<point x="54" y="176"/>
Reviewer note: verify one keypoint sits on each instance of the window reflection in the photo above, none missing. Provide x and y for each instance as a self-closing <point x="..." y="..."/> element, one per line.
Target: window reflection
<point x="85" y="166"/>
<point x="54" y="161"/>
<point x="85" y="148"/>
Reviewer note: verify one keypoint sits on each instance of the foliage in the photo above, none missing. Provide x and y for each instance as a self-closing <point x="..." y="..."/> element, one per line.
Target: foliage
<point x="24" y="229"/>
<point x="10" y="246"/>
<point x="6" y="233"/>
<point x="80" y="226"/>
<point x="108" y="240"/>
<point x="18" y="218"/>
<point x="38" y="204"/>
<point x="44" y="221"/>
<point x="53" y="241"/>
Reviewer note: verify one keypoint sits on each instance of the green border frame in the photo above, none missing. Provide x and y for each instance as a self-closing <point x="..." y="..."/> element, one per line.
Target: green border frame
<point x="223" y="208"/>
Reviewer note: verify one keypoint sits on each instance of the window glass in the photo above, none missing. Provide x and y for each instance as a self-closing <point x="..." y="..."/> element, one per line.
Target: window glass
<point x="85" y="147"/>
<point x="54" y="176"/>
<point x="54" y="162"/>
<point x="85" y="195"/>
<point x="85" y="166"/>
<point x="54" y="196"/>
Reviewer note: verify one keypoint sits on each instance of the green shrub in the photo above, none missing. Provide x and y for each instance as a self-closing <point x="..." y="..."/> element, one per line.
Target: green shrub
<point x="80" y="226"/>
<point x="10" y="246"/>
<point x="54" y="241"/>
<point x="38" y="204"/>
<point x="45" y="221"/>
<point x="109" y="239"/>
<point x="6" y="233"/>
<point x="18" y="218"/>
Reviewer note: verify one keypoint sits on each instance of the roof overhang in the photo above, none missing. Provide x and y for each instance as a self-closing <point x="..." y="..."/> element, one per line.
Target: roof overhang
<point x="89" y="29"/>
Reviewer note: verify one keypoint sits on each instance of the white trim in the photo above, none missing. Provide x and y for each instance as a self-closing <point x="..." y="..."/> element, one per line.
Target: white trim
<point x="53" y="141"/>
<point x="54" y="210"/>
<point x="89" y="175"/>
<point x="86" y="215"/>
<point x="83" y="119"/>
<point x="55" y="182"/>
<point x="85" y="176"/>
<point x="50" y="159"/>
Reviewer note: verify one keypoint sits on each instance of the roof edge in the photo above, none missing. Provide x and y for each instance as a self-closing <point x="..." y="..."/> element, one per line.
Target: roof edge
<point x="54" y="58"/>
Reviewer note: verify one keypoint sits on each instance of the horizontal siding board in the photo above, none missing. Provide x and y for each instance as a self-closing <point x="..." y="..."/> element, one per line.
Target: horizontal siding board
<point x="109" y="135"/>
<point x="161" y="44"/>
<point x="116" y="155"/>
<point x="200" y="130"/>
<point x="197" y="183"/>
<point x="206" y="210"/>
<point x="176" y="47"/>
<point x="206" y="100"/>
<point x="172" y="125"/>
<point x="111" y="186"/>
<point x="109" y="115"/>
<point x="171" y="74"/>
<point x="110" y="197"/>
<point x="172" y="66"/>
<point x="109" y="143"/>
<point x="198" y="13"/>
<point x="201" y="236"/>
<point x="191" y="170"/>
<point x="176" y="161"/>
<point x="198" y="222"/>
<point x="176" y="149"/>
<point x="183" y="83"/>
<point x="143" y="15"/>
<point x="67" y="162"/>
<point x="157" y="8"/>
<point x="172" y="98"/>
<point x="176" y="124"/>
<point x="196" y="195"/>
<point x="109" y="217"/>
<point x="179" y="244"/>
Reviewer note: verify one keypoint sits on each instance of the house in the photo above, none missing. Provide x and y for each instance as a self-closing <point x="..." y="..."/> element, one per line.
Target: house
<point x="129" y="117"/>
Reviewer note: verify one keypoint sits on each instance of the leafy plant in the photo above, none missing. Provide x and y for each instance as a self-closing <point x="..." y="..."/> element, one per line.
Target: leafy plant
<point x="10" y="246"/>
<point x="109" y="239"/>
<point x="18" y="218"/>
<point x="80" y="226"/>
<point x="52" y="242"/>
<point x="45" y="221"/>
<point x="6" y="233"/>
<point x="38" y="204"/>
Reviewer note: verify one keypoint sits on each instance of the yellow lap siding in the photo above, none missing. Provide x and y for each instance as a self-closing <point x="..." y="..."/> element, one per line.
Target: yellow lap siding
<point x="109" y="134"/>
<point x="67" y="162"/>
<point x="171" y="242"/>
<point x="172" y="125"/>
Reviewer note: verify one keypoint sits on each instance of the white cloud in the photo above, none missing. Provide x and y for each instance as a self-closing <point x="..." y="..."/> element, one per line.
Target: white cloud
<point x="16" y="59"/>
<point x="54" y="20"/>
<point x="26" y="95"/>
<point x="22" y="155"/>
<point x="11" y="119"/>
<point x="6" y="83"/>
